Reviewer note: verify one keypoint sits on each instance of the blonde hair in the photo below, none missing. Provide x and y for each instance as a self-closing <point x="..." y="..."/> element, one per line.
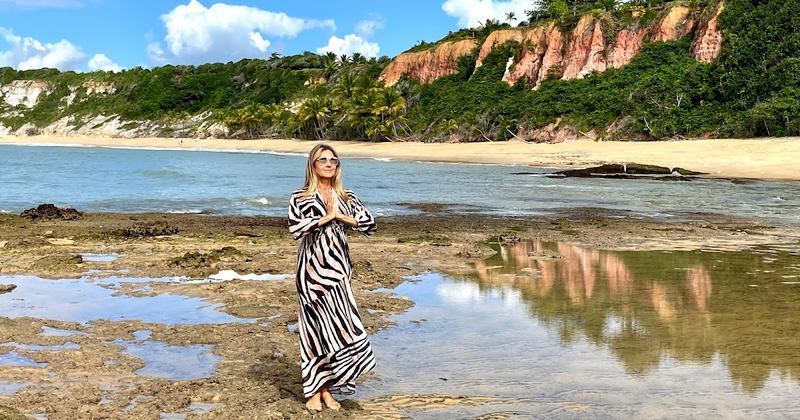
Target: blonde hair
<point x="312" y="179"/>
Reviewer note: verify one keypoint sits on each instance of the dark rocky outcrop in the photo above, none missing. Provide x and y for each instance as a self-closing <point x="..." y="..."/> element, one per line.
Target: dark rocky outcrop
<point x="51" y="212"/>
<point x="630" y="170"/>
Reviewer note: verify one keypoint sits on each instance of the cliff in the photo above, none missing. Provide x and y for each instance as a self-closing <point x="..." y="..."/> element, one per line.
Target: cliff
<point x="427" y="66"/>
<point x="594" y="44"/>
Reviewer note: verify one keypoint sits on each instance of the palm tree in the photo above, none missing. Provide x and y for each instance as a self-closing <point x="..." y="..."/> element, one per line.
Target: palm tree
<point x="345" y="86"/>
<point x="316" y="111"/>
<point x="510" y="16"/>
<point x="358" y="58"/>
<point x="343" y="59"/>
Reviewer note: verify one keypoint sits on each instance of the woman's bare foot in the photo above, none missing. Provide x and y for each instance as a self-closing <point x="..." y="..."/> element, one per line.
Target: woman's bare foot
<point x="314" y="404"/>
<point x="330" y="402"/>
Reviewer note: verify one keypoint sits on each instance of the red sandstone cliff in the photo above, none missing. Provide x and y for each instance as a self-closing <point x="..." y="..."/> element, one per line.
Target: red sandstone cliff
<point x="429" y="65"/>
<point x="547" y="52"/>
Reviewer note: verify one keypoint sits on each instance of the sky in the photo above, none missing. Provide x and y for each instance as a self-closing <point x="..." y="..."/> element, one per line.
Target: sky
<point x="111" y="35"/>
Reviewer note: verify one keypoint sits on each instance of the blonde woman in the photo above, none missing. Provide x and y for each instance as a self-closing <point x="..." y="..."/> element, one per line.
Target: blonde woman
<point x="334" y="346"/>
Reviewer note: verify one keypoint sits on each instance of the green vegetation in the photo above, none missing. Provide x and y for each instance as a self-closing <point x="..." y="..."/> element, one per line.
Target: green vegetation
<point x="753" y="89"/>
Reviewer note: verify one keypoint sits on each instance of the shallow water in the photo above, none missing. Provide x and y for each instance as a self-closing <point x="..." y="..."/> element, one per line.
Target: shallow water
<point x="181" y="181"/>
<point x="58" y="332"/>
<point x="14" y="359"/>
<point x="176" y="363"/>
<point x="576" y="332"/>
<point x="84" y="300"/>
<point x="10" y="387"/>
<point x="101" y="258"/>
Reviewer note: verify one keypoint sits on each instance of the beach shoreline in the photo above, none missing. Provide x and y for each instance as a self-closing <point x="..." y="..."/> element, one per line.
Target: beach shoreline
<point x="767" y="158"/>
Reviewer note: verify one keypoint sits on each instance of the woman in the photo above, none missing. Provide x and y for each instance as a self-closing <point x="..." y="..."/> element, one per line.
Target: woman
<point x="334" y="346"/>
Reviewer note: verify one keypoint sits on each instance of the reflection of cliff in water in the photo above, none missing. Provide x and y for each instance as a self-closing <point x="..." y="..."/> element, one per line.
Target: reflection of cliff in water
<point x="648" y="306"/>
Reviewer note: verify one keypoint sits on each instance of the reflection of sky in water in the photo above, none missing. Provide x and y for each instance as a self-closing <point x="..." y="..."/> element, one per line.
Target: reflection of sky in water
<point x="90" y="257"/>
<point x="57" y="332"/>
<point x="10" y="387"/>
<point x="37" y="347"/>
<point x="601" y="334"/>
<point x="196" y="408"/>
<point x="172" y="362"/>
<point x="13" y="359"/>
<point x="82" y="301"/>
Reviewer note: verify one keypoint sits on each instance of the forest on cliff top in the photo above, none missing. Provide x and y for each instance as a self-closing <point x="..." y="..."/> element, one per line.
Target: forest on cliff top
<point x="752" y="89"/>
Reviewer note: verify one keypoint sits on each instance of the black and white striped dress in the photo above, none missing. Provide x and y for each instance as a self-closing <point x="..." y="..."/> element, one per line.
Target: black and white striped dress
<point x="334" y="346"/>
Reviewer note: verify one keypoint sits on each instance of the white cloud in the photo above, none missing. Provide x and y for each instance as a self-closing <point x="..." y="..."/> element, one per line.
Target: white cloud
<point x="28" y="53"/>
<point x="103" y="63"/>
<point x="350" y="44"/>
<point x="471" y="13"/>
<point x="366" y="28"/>
<point x="198" y="34"/>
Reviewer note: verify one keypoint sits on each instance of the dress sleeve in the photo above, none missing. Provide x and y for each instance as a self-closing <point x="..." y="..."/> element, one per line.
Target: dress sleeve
<point x="366" y="222"/>
<point x="300" y="225"/>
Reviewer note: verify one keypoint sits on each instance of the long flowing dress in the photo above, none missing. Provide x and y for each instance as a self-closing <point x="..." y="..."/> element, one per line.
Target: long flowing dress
<point x="334" y="346"/>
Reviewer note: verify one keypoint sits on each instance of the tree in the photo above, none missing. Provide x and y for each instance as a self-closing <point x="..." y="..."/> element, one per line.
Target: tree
<point x="510" y="16"/>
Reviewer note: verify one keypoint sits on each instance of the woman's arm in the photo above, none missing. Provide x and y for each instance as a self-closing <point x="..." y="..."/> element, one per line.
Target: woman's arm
<point x="301" y="224"/>
<point x="362" y="220"/>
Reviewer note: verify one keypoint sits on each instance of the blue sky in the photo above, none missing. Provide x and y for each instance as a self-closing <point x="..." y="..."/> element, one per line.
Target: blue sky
<point x="113" y="34"/>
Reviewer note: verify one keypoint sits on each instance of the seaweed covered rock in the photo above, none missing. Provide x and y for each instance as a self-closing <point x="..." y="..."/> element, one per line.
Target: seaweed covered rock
<point x="629" y="170"/>
<point x="5" y="288"/>
<point x="149" y="230"/>
<point x="51" y="212"/>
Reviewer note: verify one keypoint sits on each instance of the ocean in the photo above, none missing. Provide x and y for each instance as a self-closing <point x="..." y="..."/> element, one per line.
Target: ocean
<point x="97" y="179"/>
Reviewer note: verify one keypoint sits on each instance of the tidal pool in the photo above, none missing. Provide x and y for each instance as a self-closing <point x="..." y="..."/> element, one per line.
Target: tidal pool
<point x="557" y="330"/>
<point x="7" y="388"/>
<point x="176" y="363"/>
<point x="83" y="300"/>
<point x="14" y="359"/>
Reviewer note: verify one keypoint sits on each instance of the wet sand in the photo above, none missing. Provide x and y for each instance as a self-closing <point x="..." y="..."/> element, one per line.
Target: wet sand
<point x="767" y="158"/>
<point x="258" y="371"/>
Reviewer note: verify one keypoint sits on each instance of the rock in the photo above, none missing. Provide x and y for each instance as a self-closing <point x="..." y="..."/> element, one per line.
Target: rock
<point x="708" y="42"/>
<point x="429" y="65"/>
<point x="8" y="413"/>
<point x="52" y="262"/>
<point x="51" y="212"/>
<point x="154" y="229"/>
<point x="5" y="288"/>
<point x="196" y="260"/>
<point x="27" y="129"/>
<point x="630" y="170"/>
<point x="575" y="53"/>
<point x="24" y="92"/>
<point x="551" y="133"/>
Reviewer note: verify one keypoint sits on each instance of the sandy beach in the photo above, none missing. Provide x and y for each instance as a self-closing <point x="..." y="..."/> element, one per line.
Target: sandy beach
<point x="766" y="158"/>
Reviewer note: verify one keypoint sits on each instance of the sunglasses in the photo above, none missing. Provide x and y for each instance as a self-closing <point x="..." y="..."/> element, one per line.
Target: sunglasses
<point x="323" y="161"/>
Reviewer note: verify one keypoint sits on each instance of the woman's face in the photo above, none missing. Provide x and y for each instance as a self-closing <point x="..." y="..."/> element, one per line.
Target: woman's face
<point x="325" y="165"/>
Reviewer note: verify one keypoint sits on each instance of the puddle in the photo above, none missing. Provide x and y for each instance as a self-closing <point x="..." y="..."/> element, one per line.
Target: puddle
<point x="175" y="363"/>
<point x="69" y="345"/>
<point x="556" y="330"/>
<point x="83" y="301"/>
<point x="102" y="258"/>
<point x="15" y="360"/>
<point x="141" y="335"/>
<point x="197" y="408"/>
<point x="8" y="388"/>
<point x="57" y="332"/>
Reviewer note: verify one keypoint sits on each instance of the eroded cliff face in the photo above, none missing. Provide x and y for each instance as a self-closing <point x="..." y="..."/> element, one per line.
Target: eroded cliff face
<point x="24" y="92"/>
<point x="549" y="53"/>
<point x="427" y="66"/>
<point x="708" y="42"/>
